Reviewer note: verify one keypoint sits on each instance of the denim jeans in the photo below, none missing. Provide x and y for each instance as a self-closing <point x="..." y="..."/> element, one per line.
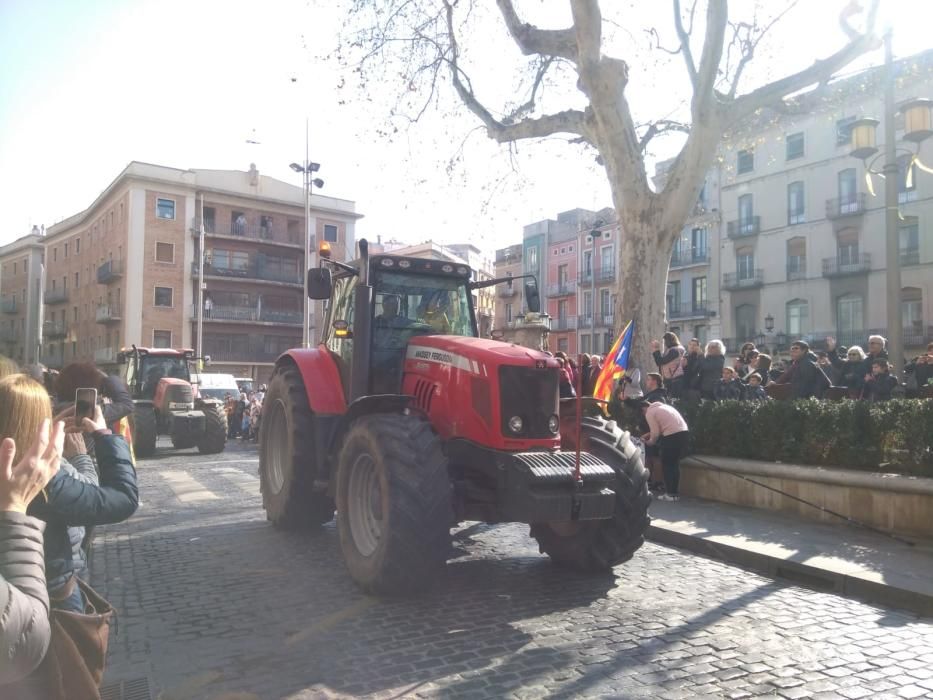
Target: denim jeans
<point x="74" y="603"/>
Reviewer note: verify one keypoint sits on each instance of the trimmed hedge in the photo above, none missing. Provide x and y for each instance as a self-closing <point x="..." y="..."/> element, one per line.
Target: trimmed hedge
<point x="890" y="436"/>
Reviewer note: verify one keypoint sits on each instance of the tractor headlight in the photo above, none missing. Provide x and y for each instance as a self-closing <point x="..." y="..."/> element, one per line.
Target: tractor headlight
<point x="553" y="424"/>
<point x="516" y="424"/>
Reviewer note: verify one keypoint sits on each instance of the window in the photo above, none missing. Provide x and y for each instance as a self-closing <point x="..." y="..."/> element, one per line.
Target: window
<point x="330" y="233"/>
<point x="587" y="264"/>
<point x="570" y="249"/>
<point x="745" y="322"/>
<point x="849" y="314"/>
<point x="232" y="261"/>
<point x="77" y="278"/>
<point x="605" y="302"/>
<point x="847" y="191"/>
<point x="797" y="258"/>
<point x="745" y="265"/>
<point x="163" y="296"/>
<point x="66" y="250"/>
<point x="54" y="254"/>
<point x="795" y="145"/>
<point x="745" y="162"/>
<point x="210" y="218"/>
<point x="165" y="252"/>
<point x="673" y="295"/>
<point x="562" y="275"/>
<point x="265" y="226"/>
<point x="699" y="293"/>
<point x="909" y="241"/>
<point x="798" y="314"/>
<point x="605" y="259"/>
<point x="843" y="137"/>
<point x="906" y="179"/>
<point x="532" y="258"/>
<point x="587" y="305"/>
<point x="77" y="246"/>
<point x="584" y="343"/>
<point x="699" y="244"/>
<point x="75" y="314"/>
<point x="165" y="208"/>
<point x="562" y="306"/>
<point x="563" y="344"/>
<point x="795" y="209"/>
<point x="847" y="252"/>
<point x="912" y="313"/>
<point x="161" y="339"/>
<point x="508" y="313"/>
<point x="746" y="213"/>
<point x="563" y="250"/>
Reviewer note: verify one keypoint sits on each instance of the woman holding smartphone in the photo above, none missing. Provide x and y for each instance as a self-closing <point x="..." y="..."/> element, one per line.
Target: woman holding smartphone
<point x="73" y="498"/>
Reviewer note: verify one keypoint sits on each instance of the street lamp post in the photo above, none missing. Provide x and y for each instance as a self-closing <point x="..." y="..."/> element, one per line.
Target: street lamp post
<point x="917" y="127"/>
<point x="594" y="235"/>
<point x="307" y="169"/>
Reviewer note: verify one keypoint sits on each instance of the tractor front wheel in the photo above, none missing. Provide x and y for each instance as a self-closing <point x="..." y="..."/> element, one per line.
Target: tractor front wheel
<point x="598" y="545"/>
<point x="145" y="430"/>
<point x="215" y="430"/>
<point x="286" y="456"/>
<point x="394" y="508"/>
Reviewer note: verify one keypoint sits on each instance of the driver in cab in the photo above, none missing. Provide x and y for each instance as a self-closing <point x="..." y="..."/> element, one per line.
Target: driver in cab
<point x="434" y="313"/>
<point x="390" y="318"/>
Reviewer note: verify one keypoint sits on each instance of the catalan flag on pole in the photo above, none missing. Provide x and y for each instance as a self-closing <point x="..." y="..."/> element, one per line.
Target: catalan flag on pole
<point x="615" y="364"/>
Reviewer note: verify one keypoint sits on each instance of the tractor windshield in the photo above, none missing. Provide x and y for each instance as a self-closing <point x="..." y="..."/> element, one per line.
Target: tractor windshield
<point x="152" y="368"/>
<point x="423" y="304"/>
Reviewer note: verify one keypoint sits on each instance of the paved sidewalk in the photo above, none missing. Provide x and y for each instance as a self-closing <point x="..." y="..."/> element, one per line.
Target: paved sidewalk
<point x="841" y="558"/>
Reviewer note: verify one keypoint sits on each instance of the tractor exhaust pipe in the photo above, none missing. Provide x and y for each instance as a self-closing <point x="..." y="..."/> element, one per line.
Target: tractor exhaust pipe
<point x="362" y="327"/>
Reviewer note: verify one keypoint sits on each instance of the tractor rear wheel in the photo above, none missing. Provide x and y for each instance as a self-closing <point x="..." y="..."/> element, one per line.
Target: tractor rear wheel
<point x="145" y="430"/>
<point x="598" y="545"/>
<point x="286" y="456"/>
<point x="215" y="430"/>
<point x="394" y="509"/>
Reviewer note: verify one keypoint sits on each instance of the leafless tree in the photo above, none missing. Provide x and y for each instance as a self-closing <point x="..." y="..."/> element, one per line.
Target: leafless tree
<point x="427" y="41"/>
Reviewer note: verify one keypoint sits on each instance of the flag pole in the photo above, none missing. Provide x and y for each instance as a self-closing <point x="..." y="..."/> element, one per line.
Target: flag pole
<point x="576" y="472"/>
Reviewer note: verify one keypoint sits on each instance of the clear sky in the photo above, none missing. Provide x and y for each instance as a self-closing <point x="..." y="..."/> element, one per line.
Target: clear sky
<point x="86" y="87"/>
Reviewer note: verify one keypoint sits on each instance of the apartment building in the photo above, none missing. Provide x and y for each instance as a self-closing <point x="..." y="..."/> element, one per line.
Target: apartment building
<point x="560" y="287"/>
<point x="21" y="297"/>
<point x="509" y="299"/>
<point x="803" y="252"/>
<point x="126" y="270"/>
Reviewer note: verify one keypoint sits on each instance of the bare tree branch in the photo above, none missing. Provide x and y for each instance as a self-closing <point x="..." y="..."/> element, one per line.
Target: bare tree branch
<point x="819" y="72"/>
<point x="748" y="52"/>
<point x="568" y="121"/>
<point x="529" y="104"/>
<point x="684" y="37"/>
<point x="659" y="127"/>
<point x="531" y="39"/>
<point x="717" y="15"/>
<point x="657" y="42"/>
<point x="588" y="25"/>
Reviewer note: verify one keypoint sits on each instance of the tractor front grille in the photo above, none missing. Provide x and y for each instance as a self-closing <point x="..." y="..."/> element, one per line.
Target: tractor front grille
<point x="530" y="393"/>
<point x="179" y="393"/>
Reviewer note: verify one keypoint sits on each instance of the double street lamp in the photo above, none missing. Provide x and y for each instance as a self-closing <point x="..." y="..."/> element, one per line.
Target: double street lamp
<point x="307" y="169"/>
<point x="918" y="126"/>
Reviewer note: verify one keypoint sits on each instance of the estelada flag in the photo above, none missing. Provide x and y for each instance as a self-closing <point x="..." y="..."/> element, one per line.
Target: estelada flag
<point x="615" y="364"/>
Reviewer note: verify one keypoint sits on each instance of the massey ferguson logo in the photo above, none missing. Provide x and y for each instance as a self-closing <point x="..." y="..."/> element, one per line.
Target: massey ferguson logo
<point x="433" y="355"/>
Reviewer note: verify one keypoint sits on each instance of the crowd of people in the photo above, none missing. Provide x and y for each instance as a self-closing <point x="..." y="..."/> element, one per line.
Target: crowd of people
<point x="60" y="476"/>
<point x="244" y="414"/>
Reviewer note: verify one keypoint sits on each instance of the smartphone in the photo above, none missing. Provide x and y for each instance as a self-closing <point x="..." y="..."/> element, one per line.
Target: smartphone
<point x="85" y="401"/>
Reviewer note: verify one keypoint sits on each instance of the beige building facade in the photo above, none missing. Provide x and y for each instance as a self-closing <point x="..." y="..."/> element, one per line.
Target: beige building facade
<point x="126" y="270"/>
<point x="21" y="297"/>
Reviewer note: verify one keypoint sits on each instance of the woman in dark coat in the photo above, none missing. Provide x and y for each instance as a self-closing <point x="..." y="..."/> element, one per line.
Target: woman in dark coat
<point x="711" y="368"/>
<point x="851" y="371"/>
<point x="692" y="361"/>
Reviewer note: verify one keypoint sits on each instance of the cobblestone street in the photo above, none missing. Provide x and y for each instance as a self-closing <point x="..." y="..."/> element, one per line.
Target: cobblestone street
<point x="214" y="603"/>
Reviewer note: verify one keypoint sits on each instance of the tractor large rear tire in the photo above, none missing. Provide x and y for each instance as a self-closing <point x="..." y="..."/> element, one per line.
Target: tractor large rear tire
<point x="145" y="431"/>
<point x="599" y="545"/>
<point x="286" y="456"/>
<point x="215" y="430"/>
<point x="394" y="509"/>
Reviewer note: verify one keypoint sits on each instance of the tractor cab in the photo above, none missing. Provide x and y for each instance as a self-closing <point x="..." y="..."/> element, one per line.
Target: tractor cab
<point x="145" y="369"/>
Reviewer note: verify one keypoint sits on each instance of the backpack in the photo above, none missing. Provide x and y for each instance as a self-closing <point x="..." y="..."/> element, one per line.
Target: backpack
<point x="674" y="368"/>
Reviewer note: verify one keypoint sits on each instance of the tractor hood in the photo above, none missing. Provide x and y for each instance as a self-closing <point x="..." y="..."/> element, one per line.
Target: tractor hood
<point x="471" y="354"/>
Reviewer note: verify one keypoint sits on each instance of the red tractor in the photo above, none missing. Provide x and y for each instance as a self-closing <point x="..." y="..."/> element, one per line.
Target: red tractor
<point x="166" y="402"/>
<point x="405" y="422"/>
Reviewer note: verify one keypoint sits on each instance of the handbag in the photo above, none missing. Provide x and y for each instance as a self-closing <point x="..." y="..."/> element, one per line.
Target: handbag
<point x="73" y="667"/>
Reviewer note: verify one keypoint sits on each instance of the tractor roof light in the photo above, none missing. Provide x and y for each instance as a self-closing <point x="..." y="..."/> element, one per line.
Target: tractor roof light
<point x="324" y="250"/>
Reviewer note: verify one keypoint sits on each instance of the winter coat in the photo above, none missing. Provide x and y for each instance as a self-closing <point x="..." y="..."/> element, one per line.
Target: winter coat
<point x="849" y="373"/>
<point x="710" y="374"/>
<point x="755" y="393"/>
<point x="692" y="362"/>
<point x="78" y="503"/>
<point x="730" y="390"/>
<point x="659" y="395"/>
<point x="669" y="364"/>
<point x="866" y="363"/>
<point x="24" y="600"/>
<point x="921" y="371"/>
<point x="879" y="387"/>
<point x="806" y="378"/>
<point x="566" y="390"/>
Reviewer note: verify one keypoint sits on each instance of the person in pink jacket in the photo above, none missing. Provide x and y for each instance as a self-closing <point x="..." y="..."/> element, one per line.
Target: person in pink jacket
<point x="668" y="430"/>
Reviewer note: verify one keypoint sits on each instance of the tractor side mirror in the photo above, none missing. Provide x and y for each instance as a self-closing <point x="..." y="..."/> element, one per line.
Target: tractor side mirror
<point x="532" y="299"/>
<point x="320" y="283"/>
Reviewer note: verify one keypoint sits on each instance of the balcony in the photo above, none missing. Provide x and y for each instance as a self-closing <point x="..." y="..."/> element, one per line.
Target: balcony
<point x="107" y="314"/>
<point x="606" y="273"/>
<point x="255" y="270"/>
<point x="914" y="337"/>
<point x="797" y="271"/>
<point x="564" y="323"/>
<point x="910" y="257"/>
<point x="54" y="329"/>
<point x="248" y="348"/>
<point x="585" y="321"/>
<point x="683" y="258"/>
<point x="110" y="271"/>
<point x="733" y="281"/>
<point x="687" y="310"/>
<point x="842" y="267"/>
<point x="562" y="289"/>
<point x="264" y="234"/>
<point x="56" y="296"/>
<point x="605" y="321"/>
<point x="250" y="314"/>
<point x="504" y="291"/>
<point x="840" y="207"/>
<point x="105" y="355"/>
<point x="8" y="306"/>
<point x="750" y="226"/>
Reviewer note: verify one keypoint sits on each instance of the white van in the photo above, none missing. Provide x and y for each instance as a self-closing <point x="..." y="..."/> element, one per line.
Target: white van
<point x="216" y="386"/>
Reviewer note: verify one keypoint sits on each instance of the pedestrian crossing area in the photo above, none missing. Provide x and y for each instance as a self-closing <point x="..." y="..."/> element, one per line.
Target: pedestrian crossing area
<point x="209" y="481"/>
